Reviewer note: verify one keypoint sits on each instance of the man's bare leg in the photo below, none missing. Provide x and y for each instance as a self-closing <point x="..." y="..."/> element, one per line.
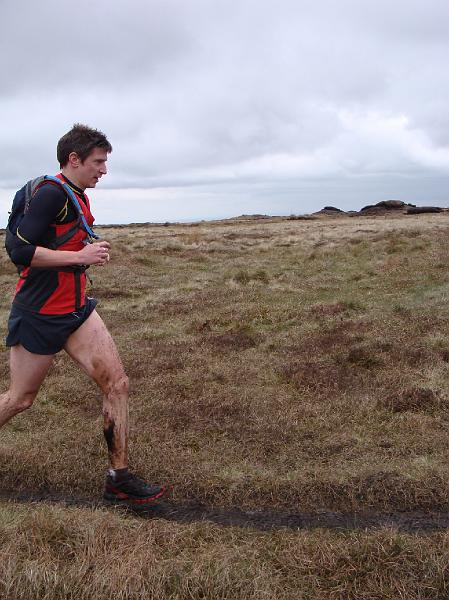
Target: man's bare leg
<point x="93" y="348"/>
<point x="28" y="371"/>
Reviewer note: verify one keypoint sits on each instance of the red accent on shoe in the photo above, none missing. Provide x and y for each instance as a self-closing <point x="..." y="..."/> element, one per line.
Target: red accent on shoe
<point x="123" y="496"/>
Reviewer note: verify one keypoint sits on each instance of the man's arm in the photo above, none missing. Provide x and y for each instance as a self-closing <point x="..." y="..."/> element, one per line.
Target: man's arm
<point x="92" y="254"/>
<point x="47" y="205"/>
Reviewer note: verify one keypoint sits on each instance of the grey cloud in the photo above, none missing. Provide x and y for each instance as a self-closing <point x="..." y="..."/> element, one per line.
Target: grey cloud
<point x="87" y="43"/>
<point x="199" y="92"/>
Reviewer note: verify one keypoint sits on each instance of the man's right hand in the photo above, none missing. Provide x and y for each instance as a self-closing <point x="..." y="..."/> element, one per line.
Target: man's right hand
<point x="95" y="254"/>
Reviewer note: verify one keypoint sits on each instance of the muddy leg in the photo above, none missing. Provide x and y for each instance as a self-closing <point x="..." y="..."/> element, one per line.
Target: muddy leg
<point x="93" y="348"/>
<point x="115" y="414"/>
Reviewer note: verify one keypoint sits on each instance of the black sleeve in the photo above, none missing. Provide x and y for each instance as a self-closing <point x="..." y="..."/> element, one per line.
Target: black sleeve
<point x="46" y="205"/>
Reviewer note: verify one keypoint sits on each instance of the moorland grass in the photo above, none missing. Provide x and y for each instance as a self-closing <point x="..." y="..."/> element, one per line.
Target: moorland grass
<point x="50" y="552"/>
<point x="296" y="365"/>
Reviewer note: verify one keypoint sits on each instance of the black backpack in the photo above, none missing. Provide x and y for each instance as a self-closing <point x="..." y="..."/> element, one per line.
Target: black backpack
<point x="21" y="204"/>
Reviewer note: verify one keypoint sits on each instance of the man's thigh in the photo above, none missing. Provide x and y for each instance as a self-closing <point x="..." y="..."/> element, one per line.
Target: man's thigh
<point x="93" y="348"/>
<point x="28" y="370"/>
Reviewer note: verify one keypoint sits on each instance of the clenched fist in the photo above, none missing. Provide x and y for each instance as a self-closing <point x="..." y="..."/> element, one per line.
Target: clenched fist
<point x="96" y="253"/>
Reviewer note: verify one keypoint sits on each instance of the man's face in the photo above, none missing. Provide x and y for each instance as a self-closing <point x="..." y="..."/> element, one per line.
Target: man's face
<point x="89" y="172"/>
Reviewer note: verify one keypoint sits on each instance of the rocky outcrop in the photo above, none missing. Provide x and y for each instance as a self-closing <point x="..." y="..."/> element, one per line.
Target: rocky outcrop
<point x="419" y="210"/>
<point x="384" y="206"/>
<point x="331" y="211"/>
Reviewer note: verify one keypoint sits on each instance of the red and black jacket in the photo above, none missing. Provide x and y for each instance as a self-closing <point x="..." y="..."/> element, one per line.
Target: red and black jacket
<point x="58" y="290"/>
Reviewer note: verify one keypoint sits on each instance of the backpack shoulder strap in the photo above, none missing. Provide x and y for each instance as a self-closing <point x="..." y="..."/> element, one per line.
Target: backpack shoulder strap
<point x="30" y="189"/>
<point x="75" y="203"/>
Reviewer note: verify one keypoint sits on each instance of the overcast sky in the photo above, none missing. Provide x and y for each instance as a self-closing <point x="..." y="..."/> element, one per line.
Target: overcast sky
<point x="217" y="108"/>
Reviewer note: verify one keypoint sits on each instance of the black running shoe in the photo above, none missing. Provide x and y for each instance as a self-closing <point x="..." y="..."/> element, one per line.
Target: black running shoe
<point x="131" y="490"/>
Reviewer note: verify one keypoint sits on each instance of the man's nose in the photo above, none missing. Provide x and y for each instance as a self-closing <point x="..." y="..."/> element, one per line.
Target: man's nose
<point x="103" y="169"/>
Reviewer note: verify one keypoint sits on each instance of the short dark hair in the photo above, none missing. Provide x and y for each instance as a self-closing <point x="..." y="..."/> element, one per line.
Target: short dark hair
<point x="82" y="140"/>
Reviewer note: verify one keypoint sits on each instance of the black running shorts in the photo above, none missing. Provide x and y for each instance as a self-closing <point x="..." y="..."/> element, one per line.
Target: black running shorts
<point x="45" y="334"/>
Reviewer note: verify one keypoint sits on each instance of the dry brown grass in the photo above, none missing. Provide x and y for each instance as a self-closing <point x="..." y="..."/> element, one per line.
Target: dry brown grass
<point x="296" y="365"/>
<point x="53" y="553"/>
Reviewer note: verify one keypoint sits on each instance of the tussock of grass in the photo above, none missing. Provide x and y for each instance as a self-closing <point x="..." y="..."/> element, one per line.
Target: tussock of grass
<point x="414" y="399"/>
<point x="243" y="277"/>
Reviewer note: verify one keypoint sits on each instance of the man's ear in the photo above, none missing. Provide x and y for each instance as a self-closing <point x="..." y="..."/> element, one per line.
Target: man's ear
<point x="74" y="160"/>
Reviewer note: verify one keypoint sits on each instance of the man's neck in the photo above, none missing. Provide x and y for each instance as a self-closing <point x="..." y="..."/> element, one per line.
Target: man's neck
<point x="71" y="176"/>
<point x="74" y="187"/>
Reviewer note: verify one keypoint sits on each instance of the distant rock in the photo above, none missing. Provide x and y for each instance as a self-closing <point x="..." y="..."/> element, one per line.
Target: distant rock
<point x="331" y="211"/>
<point x="419" y="210"/>
<point x="385" y="205"/>
<point x="373" y="209"/>
<point x="392" y="204"/>
<point x="254" y="217"/>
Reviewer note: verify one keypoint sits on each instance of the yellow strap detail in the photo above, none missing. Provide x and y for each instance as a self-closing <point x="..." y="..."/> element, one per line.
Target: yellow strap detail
<point x="63" y="212"/>
<point x="21" y="237"/>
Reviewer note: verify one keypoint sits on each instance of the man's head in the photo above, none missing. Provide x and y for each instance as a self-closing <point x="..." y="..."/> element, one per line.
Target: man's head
<point x="82" y="154"/>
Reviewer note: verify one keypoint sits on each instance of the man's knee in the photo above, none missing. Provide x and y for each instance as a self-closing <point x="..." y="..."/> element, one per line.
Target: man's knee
<point x="112" y="381"/>
<point x="120" y="384"/>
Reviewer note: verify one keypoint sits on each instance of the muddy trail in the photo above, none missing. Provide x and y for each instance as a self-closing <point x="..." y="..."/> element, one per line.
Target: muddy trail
<point x="262" y="520"/>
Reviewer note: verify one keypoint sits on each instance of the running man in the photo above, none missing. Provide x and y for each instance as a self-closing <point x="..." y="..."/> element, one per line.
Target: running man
<point x="50" y="311"/>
